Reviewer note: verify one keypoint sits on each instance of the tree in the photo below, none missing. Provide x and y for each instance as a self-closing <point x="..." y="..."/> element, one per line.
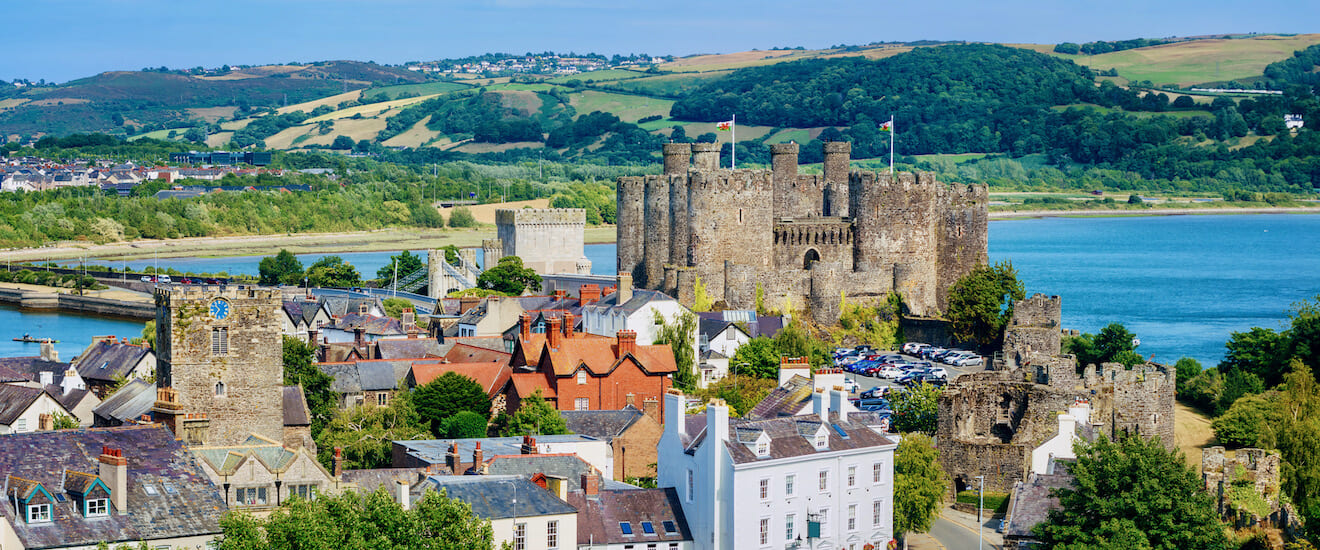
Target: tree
<point x="679" y="333"/>
<point x="446" y="396"/>
<point x="758" y="357"/>
<point x="510" y="277"/>
<point x="535" y="416"/>
<point x="462" y="217"/>
<point x="1295" y="435"/>
<point x="351" y="521"/>
<point x="918" y="484"/>
<point x="1071" y="48"/>
<point x="365" y="433"/>
<point x="1260" y="351"/>
<point x="701" y="300"/>
<point x="342" y="143"/>
<point x="394" y="307"/>
<point x="283" y="268"/>
<point x="64" y="422"/>
<point x="465" y="424"/>
<point x="1237" y="384"/>
<point x="1113" y="344"/>
<point x="794" y="341"/>
<point x="407" y="263"/>
<point x="1187" y="368"/>
<point x="1133" y="493"/>
<point x="451" y="254"/>
<point x="1135" y="199"/>
<point x="333" y="271"/>
<point x="916" y="408"/>
<point x="740" y="392"/>
<point x="149" y="333"/>
<point x="981" y="303"/>
<point x="300" y="370"/>
<point x="1243" y="423"/>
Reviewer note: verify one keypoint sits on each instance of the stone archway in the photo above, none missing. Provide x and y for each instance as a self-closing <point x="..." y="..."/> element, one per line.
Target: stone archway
<point x="809" y="258"/>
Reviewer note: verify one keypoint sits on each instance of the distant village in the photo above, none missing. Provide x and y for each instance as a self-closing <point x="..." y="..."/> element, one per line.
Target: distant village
<point x="549" y="63"/>
<point x="40" y="174"/>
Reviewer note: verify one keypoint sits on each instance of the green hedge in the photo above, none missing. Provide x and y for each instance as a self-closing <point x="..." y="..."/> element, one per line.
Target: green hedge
<point x="993" y="501"/>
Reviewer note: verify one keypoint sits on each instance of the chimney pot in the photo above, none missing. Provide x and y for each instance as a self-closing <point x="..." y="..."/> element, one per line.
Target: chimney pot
<point x="627" y="342"/>
<point x="591" y="485"/>
<point x="339" y="462"/>
<point x="555" y="332"/>
<point x="525" y="327"/>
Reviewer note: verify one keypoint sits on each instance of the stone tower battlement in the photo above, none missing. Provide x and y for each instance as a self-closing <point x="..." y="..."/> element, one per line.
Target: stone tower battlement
<point x="548" y="240"/>
<point x="737" y="230"/>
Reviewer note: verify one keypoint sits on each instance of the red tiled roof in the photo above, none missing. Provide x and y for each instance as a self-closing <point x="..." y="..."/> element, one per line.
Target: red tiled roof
<point x="491" y="377"/>
<point x="467" y="353"/>
<point x="525" y="383"/>
<point x="601" y="355"/>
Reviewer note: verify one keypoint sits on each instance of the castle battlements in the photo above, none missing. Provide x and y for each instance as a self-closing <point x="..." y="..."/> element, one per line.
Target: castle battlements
<point x="738" y="230"/>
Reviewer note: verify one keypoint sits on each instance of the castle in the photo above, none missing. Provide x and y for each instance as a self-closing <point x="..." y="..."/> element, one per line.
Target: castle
<point x="798" y="239"/>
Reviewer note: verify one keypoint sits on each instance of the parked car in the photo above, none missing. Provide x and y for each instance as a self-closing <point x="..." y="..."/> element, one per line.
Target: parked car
<point x="937" y="372"/>
<point x="972" y="361"/>
<point x="874" y="393"/>
<point x="165" y="279"/>
<point x="851" y="386"/>
<point x="931" y="352"/>
<point x="147" y="279"/>
<point x="890" y="372"/>
<point x="910" y="347"/>
<point x="873" y="404"/>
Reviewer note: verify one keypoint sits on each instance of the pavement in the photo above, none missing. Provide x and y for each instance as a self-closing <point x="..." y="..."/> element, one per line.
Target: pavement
<point x="955" y="530"/>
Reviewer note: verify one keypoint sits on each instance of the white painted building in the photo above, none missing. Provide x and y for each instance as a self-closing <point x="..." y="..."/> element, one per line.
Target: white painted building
<point x="22" y="408"/>
<point x="521" y="513"/>
<point x="819" y="481"/>
<point x="634" y="309"/>
<point x="1061" y="445"/>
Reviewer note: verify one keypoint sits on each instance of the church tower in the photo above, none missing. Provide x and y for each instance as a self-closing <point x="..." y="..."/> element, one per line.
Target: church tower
<point x="220" y="352"/>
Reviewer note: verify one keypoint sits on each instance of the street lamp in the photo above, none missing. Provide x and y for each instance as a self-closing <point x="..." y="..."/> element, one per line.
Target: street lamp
<point x="980" y="525"/>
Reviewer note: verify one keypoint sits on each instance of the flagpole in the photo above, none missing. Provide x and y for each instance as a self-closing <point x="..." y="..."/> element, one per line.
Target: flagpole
<point x="892" y="135"/>
<point x="733" y="145"/>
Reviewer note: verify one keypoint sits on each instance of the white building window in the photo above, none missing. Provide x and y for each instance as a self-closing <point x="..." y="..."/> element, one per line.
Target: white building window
<point x="852" y="517"/>
<point x="765" y="531"/>
<point x="96" y="507"/>
<point x="38" y="513"/>
<point x="824" y="517"/>
<point x="877" y="469"/>
<point x="552" y="534"/>
<point x="788" y="484"/>
<point x="581" y="377"/>
<point x="852" y="476"/>
<point x="789" y="520"/>
<point x="824" y="480"/>
<point x="765" y="488"/>
<point x="877" y="509"/>
<point x="582" y="404"/>
<point x="762" y="448"/>
<point x="220" y="341"/>
<point x="689" y="486"/>
<point x="520" y="536"/>
<point x="20" y="425"/>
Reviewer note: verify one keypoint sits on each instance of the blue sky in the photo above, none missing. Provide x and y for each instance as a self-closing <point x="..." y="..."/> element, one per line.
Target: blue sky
<point x="60" y="40"/>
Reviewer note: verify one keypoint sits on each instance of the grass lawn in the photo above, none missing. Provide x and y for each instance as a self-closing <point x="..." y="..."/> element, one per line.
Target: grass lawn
<point x="669" y="84"/>
<point x="800" y="135"/>
<point x="425" y="88"/>
<point x="629" y="108"/>
<point x="598" y="76"/>
<point x="1191" y="433"/>
<point x="525" y="87"/>
<point x="371" y="109"/>
<point x="332" y="101"/>
<point x="1198" y="61"/>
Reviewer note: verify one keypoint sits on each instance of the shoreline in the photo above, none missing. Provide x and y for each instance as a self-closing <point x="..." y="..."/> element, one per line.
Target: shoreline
<point x="389" y="240"/>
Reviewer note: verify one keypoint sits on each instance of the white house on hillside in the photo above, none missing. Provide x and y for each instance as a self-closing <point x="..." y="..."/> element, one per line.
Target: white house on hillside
<point x="823" y="480"/>
<point x="634" y="309"/>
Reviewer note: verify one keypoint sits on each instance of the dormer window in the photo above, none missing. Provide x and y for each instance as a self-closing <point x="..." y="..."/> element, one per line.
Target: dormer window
<point x="38" y="513"/>
<point x="822" y="439"/>
<point x="96" y="507"/>
<point x="762" y="448"/>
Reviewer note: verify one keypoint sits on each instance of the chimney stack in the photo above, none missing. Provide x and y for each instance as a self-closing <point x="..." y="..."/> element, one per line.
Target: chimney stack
<point x="401" y="492"/>
<point x="359" y="337"/>
<point x="528" y="445"/>
<point x="651" y="408"/>
<point x="48" y="352"/>
<point x="839" y="403"/>
<point x="625" y="288"/>
<point x="339" y="462"/>
<point x="591" y="485"/>
<point x="312" y="335"/>
<point x="46" y="377"/>
<point x="588" y="294"/>
<point x="45" y="421"/>
<point x="477" y="457"/>
<point x="630" y="400"/>
<point x="525" y="327"/>
<point x="569" y="321"/>
<point x="114" y="472"/>
<point x="467" y="302"/>
<point x="627" y="342"/>
<point x="561" y="294"/>
<point x="820" y="405"/>
<point x="451" y="458"/>
<point x="555" y="333"/>
<point x="409" y="320"/>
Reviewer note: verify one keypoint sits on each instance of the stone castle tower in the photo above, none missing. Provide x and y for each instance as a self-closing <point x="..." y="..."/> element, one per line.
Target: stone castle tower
<point x="220" y="354"/>
<point x="802" y="239"/>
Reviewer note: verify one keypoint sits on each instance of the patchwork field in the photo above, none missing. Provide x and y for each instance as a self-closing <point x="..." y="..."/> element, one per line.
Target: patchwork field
<point x="629" y="108"/>
<point x="1198" y="61"/>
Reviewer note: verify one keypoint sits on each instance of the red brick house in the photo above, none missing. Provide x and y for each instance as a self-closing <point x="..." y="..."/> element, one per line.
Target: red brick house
<point x="576" y="371"/>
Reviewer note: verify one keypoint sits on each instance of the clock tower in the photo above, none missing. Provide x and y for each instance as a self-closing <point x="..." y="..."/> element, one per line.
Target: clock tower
<point x="219" y="349"/>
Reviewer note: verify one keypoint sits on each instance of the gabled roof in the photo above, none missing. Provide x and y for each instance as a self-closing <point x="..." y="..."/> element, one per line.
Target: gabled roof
<point x="1032" y="502"/>
<point x="302" y="311"/>
<point x="500" y="497"/>
<point x="786" y="400"/>
<point x="793" y="436"/>
<point x="407" y="348"/>
<point x="69" y="400"/>
<point x="185" y="502"/>
<point x="563" y="466"/>
<point x="22" y="369"/>
<point x="468" y="353"/>
<point x="527" y="383"/>
<point x="605" y="425"/>
<point x="491" y="376"/>
<point x="640" y="298"/>
<point x="295" y="407"/>
<point x="14" y="400"/>
<point x="343" y="305"/>
<point x="599" y="516"/>
<point x="366" y="374"/>
<point x="601" y="355"/>
<point x="130" y="402"/>
<point x="8" y="374"/>
<point x="380" y="326"/>
<point x="104" y="361"/>
<point x="368" y="481"/>
<point x="272" y="454"/>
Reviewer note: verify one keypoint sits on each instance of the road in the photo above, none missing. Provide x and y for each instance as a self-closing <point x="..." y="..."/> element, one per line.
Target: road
<point x="951" y="532"/>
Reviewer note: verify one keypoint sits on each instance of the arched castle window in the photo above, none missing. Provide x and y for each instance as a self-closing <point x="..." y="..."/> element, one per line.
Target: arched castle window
<point x="219" y="389"/>
<point x="810" y="258"/>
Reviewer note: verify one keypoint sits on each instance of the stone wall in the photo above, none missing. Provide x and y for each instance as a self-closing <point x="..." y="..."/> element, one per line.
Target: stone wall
<point x="1033" y="335"/>
<point x="239" y="389"/>
<point x="1261" y="468"/>
<point x="549" y="240"/>
<point x="742" y="228"/>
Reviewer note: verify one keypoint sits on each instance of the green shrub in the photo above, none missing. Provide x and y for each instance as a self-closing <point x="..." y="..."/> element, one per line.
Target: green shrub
<point x="993" y="501"/>
<point x="462" y="217"/>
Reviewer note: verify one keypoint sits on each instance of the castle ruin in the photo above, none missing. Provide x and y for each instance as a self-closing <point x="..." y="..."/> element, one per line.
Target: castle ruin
<point x="990" y="422"/>
<point x="798" y="238"/>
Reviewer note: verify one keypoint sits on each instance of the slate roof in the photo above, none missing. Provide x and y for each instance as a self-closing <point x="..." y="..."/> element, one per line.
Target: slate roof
<point x="786" y="400"/>
<point x="754" y="325"/>
<point x="185" y="502"/>
<point x="342" y="305"/>
<point x="1032" y="502"/>
<point x="563" y="466"/>
<point x="104" y="361"/>
<point x="605" y="425"/>
<point x="368" y="481"/>
<point x="407" y="348"/>
<point x="366" y="374"/>
<point x="295" y="407"/>
<point x="23" y="369"/>
<point x="433" y="451"/>
<point x="599" y="516"/>
<point x="499" y="497"/>
<point x="711" y="327"/>
<point x="16" y="399"/>
<point x="301" y="311"/>
<point x="491" y="376"/>
<point x="130" y="402"/>
<point x="380" y="326"/>
<point x="69" y="400"/>
<point x="790" y="437"/>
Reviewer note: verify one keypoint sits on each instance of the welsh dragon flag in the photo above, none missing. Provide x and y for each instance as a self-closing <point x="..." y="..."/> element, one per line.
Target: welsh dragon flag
<point x="725" y="126"/>
<point x="887" y="126"/>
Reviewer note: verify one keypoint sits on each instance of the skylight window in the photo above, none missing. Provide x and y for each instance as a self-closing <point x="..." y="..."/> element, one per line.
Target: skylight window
<point x="170" y="489"/>
<point x="670" y="527"/>
<point x="625" y="527"/>
<point x="150" y="489"/>
<point x="648" y="528"/>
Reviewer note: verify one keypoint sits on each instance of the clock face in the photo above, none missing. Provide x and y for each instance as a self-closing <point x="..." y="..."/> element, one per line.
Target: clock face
<point x="219" y="308"/>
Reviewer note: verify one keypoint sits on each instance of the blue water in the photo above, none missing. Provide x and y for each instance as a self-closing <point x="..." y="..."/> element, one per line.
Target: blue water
<point x="1183" y="284"/>
<point x="73" y="331"/>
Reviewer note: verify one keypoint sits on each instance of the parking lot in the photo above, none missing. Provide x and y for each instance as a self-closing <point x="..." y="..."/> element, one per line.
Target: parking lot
<point x="865" y="382"/>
